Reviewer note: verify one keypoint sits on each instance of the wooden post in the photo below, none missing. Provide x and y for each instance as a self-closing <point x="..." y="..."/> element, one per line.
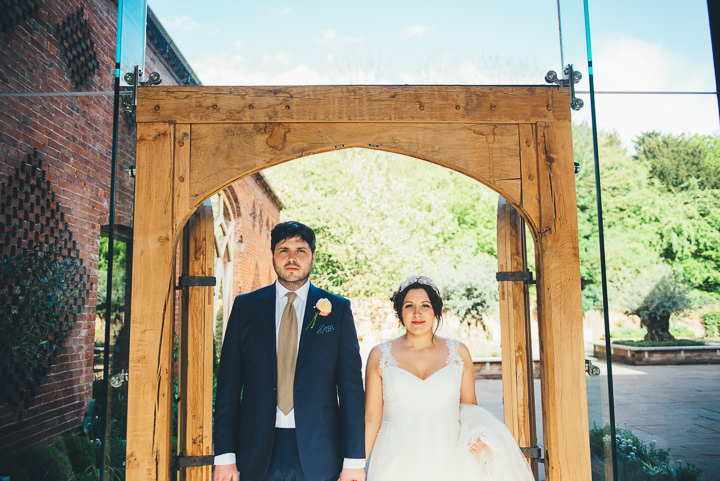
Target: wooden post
<point x="196" y="346"/>
<point x="149" y="418"/>
<point x="517" y="371"/>
<point x="564" y="395"/>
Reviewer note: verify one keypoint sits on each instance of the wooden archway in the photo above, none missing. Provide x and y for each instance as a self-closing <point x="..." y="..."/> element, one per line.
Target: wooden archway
<point x="193" y="141"/>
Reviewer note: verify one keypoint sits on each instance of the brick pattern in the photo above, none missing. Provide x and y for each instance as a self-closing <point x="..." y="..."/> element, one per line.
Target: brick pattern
<point x="35" y="240"/>
<point x="73" y="134"/>
<point x="256" y="213"/>
<point x="77" y="46"/>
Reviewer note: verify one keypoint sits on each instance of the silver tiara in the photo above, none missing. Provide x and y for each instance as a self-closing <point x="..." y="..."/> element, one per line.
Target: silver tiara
<point x="424" y="280"/>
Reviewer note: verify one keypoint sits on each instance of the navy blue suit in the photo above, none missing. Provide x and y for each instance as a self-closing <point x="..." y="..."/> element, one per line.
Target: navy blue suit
<point x="328" y="396"/>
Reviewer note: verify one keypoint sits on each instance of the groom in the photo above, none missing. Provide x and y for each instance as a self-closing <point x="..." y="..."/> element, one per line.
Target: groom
<point x="290" y="400"/>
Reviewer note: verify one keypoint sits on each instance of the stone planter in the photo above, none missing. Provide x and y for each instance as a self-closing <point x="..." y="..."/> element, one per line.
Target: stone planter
<point x="660" y="355"/>
<point x="491" y="368"/>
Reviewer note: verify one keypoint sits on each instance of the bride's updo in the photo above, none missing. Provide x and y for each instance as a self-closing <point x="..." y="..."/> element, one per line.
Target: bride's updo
<point x="418" y="282"/>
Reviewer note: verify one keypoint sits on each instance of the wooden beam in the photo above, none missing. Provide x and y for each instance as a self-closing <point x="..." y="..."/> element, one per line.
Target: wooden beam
<point x="149" y="418"/>
<point x="489" y="153"/>
<point x="196" y="346"/>
<point x="394" y="103"/>
<point x="517" y="363"/>
<point x="564" y="394"/>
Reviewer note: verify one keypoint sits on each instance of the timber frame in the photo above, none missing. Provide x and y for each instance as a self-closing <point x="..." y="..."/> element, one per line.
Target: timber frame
<point x="194" y="141"/>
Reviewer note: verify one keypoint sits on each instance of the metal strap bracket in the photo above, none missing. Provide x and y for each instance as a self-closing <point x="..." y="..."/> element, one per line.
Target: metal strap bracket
<point x="525" y="276"/>
<point x="182" y="462"/>
<point x="192" y="281"/>
<point x="533" y="452"/>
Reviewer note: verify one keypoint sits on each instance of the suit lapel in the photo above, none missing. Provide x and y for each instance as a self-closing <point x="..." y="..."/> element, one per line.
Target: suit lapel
<point x="266" y="320"/>
<point x="306" y="333"/>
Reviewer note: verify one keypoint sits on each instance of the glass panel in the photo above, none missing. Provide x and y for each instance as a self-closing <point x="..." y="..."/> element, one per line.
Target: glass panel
<point x="117" y="352"/>
<point x="133" y="14"/>
<point x="654" y="75"/>
<point x="376" y="42"/>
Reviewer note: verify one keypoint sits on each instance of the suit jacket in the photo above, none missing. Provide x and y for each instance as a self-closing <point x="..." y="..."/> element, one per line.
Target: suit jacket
<point x="328" y="398"/>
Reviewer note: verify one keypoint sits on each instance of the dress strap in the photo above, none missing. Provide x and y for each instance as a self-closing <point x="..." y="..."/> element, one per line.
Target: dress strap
<point x="386" y="359"/>
<point x="454" y="358"/>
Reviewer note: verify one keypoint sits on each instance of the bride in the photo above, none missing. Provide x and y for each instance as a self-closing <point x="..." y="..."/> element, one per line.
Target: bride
<point x="421" y="418"/>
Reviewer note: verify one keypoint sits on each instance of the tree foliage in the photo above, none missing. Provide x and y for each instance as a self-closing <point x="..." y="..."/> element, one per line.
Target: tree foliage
<point x="380" y="217"/>
<point x="680" y="162"/>
<point x="669" y="296"/>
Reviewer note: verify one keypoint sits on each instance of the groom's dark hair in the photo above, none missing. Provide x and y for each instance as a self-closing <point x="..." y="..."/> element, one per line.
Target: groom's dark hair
<point x="288" y="230"/>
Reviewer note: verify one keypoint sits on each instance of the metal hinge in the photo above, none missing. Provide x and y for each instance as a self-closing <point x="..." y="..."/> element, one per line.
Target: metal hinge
<point x="182" y="462"/>
<point x="192" y="281"/>
<point x="533" y="452"/>
<point x="524" y="276"/>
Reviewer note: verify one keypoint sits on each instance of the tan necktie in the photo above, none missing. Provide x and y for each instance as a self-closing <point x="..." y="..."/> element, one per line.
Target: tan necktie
<point x="287" y="355"/>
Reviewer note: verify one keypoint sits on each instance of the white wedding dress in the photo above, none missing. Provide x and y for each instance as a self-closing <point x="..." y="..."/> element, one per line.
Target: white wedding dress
<point x="426" y="432"/>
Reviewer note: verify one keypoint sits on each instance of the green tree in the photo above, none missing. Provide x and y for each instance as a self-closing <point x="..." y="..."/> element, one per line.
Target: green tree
<point x="680" y="162"/>
<point x="629" y="238"/>
<point x="669" y="296"/>
<point x="688" y="219"/>
<point x="119" y="278"/>
<point x="380" y="217"/>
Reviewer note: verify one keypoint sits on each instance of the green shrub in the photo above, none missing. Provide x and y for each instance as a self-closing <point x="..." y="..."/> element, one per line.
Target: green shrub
<point x="14" y="470"/>
<point x="711" y="324"/>
<point x="44" y="463"/>
<point x="90" y="475"/>
<point x="628" y="332"/>
<point x="638" y="461"/>
<point x="81" y="452"/>
<point x="669" y="296"/>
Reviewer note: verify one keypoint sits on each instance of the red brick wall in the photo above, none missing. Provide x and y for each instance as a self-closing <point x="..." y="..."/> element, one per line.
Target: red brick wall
<point x="74" y="137"/>
<point x="256" y="215"/>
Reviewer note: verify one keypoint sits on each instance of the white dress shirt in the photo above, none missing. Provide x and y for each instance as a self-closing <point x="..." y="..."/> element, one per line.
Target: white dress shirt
<point x="288" y="420"/>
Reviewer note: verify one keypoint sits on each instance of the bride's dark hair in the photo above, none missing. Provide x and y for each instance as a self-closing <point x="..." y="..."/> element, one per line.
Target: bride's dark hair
<point x="418" y="282"/>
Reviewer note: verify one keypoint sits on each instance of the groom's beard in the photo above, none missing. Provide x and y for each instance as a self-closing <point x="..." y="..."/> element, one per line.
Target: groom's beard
<point x="292" y="279"/>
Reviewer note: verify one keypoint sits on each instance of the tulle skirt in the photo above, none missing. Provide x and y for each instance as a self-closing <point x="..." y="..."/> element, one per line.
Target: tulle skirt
<point x="439" y="451"/>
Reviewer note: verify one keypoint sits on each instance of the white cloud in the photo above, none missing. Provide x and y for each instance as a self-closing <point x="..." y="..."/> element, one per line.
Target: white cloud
<point x="285" y="10"/>
<point x="330" y="36"/>
<point x="631" y="64"/>
<point x="327" y="37"/>
<point x="281" y="57"/>
<point x="417" y="30"/>
<point x="238" y="44"/>
<point x="627" y="63"/>
<point x="184" y="24"/>
<point x="239" y="70"/>
<point x="299" y="75"/>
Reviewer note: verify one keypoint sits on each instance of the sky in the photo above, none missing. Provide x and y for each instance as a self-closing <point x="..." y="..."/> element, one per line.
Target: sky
<point x="637" y="45"/>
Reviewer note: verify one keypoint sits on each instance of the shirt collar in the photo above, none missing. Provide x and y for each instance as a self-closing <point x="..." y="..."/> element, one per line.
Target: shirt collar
<point x="302" y="292"/>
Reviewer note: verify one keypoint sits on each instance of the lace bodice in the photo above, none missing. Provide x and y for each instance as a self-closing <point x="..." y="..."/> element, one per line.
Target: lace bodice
<point x="387" y="360"/>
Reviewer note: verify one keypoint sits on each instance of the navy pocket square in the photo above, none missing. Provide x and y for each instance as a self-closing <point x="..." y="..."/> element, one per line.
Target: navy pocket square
<point x="325" y="329"/>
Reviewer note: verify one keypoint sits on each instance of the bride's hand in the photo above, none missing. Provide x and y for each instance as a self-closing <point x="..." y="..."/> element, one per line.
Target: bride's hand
<point x="477" y="446"/>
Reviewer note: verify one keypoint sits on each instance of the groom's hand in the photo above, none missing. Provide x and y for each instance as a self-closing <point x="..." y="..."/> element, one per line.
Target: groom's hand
<point x="348" y="474"/>
<point x="226" y="472"/>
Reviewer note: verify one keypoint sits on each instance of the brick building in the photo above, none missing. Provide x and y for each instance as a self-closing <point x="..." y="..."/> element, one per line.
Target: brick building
<point x="56" y="109"/>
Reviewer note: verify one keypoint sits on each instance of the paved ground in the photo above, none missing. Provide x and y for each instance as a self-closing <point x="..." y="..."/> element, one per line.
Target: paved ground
<point x="677" y="406"/>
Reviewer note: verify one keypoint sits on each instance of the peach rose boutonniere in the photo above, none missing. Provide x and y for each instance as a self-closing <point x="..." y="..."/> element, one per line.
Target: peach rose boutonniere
<point x="324" y="308"/>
